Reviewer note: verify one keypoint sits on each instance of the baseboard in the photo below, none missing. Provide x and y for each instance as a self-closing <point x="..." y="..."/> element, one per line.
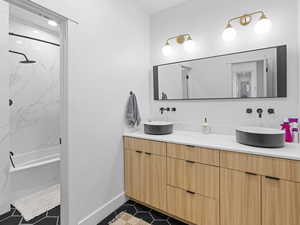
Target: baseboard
<point x="99" y="214"/>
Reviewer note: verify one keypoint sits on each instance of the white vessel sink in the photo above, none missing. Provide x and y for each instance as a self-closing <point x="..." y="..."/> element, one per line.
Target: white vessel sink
<point x="260" y="137"/>
<point x="158" y="127"/>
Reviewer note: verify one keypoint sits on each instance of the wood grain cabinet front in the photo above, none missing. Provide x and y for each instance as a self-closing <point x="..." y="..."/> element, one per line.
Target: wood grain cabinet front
<point x="240" y="198"/>
<point x="189" y="175"/>
<point x="211" y="187"/>
<point x="192" y="153"/>
<point x="268" y="166"/>
<point x="154" y="147"/>
<point x="145" y="177"/>
<point x="192" y="207"/>
<point x="280" y="202"/>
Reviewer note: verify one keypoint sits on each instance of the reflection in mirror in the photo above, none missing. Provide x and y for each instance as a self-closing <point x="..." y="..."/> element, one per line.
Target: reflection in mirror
<point x="252" y="74"/>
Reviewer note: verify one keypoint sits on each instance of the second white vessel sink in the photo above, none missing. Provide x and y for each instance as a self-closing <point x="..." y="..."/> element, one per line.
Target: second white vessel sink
<point x="260" y="137"/>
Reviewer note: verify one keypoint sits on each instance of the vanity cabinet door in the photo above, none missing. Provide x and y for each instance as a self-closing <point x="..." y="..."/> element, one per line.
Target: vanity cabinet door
<point x="240" y="198"/>
<point x="280" y="202"/>
<point x="154" y="181"/>
<point x="145" y="178"/>
<point x="133" y="174"/>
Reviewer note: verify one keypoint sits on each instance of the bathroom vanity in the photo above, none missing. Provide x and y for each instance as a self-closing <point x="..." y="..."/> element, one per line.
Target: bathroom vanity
<point x="212" y="180"/>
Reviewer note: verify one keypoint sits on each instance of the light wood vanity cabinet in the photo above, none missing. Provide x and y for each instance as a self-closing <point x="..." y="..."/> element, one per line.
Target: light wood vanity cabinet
<point x="211" y="187"/>
<point x="280" y="202"/>
<point x="145" y="172"/>
<point x="259" y="190"/>
<point x="193" y="184"/>
<point x="240" y="198"/>
<point x="194" y="177"/>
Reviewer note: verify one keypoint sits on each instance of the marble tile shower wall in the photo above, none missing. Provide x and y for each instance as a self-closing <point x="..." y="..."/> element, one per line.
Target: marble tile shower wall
<point x="35" y="90"/>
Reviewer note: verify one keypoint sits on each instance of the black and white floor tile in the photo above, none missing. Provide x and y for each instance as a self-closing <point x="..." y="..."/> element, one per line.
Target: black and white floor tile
<point x="149" y="215"/>
<point x="13" y="217"/>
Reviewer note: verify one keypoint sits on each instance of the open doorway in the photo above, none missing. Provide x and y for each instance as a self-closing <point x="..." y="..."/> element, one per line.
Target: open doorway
<point x="37" y="70"/>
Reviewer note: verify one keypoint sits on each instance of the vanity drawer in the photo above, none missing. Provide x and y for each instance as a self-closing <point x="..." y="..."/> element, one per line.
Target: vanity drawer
<point x="196" y="154"/>
<point x="195" y="177"/>
<point x="136" y="144"/>
<point x="191" y="207"/>
<point x="267" y="166"/>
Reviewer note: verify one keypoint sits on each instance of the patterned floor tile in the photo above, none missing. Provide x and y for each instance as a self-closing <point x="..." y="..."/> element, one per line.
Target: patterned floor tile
<point x="47" y="221"/>
<point x="142" y="212"/>
<point x="12" y="220"/>
<point x="14" y="217"/>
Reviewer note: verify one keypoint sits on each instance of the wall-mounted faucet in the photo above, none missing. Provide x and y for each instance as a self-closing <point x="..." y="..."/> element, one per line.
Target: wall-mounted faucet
<point x="168" y="109"/>
<point x="162" y="110"/>
<point x="260" y="112"/>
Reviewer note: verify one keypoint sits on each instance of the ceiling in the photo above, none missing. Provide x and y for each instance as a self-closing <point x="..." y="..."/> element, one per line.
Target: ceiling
<point x="154" y="6"/>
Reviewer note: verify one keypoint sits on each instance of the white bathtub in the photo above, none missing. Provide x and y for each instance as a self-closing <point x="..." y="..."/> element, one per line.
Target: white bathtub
<point x="34" y="171"/>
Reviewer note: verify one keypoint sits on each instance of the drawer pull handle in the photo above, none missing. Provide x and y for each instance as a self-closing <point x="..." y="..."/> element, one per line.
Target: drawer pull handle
<point x="190" y="146"/>
<point x="252" y="174"/>
<point x="189" y="161"/>
<point x="272" y="178"/>
<point x="138" y="152"/>
<point x="148" y="153"/>
<point x="191" y="192"/>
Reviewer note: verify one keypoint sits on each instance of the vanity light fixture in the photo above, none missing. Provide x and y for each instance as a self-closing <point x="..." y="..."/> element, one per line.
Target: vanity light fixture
<point x="183" y="39"/>
<point x="263" y="25"/>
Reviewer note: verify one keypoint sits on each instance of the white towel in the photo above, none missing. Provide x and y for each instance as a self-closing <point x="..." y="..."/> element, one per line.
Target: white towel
<point x="132" y="112"/>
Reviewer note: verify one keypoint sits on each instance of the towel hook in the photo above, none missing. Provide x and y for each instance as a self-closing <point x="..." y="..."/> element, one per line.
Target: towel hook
<point x="131" y="93"/>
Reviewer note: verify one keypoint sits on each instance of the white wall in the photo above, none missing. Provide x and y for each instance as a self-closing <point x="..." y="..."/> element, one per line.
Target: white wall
<point x="108" y="57"/>
<point x="205" y="20"/>
<point x="4" y="118"/>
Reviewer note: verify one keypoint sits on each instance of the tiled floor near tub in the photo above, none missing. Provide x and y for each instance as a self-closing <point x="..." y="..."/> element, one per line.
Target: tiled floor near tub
<point x="52" y="217"/>
<point x="142" y="212"/>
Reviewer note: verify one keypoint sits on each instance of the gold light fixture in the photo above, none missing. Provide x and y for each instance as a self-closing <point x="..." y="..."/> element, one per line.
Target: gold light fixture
<point x="182" y="39"/>
<point x="263" y="25"/>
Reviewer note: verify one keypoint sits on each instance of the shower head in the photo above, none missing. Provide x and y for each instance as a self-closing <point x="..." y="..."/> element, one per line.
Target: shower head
<point x="26" y="61"/>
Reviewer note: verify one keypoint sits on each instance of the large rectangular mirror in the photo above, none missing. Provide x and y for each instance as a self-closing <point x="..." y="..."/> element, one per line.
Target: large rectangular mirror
<point x="258" y="73"/>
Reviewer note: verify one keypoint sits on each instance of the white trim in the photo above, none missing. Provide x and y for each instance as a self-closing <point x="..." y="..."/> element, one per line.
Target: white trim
<point x="64" y="154"/>
<point x="33" y="7"/>
<point x="99" y="214"/>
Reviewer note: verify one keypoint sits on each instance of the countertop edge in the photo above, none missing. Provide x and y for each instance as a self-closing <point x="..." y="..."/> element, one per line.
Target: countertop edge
<point x="253" y="150"/>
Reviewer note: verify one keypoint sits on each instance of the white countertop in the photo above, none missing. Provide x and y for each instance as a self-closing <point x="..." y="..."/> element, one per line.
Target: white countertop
<point x="220" y="142"/>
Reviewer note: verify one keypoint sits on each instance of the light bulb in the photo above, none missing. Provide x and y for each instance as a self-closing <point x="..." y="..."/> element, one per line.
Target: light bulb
<point x="52" y="23"/>
<point x="263" y="26"/>
<point x="167" y="50"/>
<point x="189" y="45"/>
<point x="229" y="33"/>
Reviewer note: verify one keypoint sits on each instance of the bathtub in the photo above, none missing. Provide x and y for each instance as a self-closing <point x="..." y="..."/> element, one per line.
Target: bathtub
<point x="34" y="171"/>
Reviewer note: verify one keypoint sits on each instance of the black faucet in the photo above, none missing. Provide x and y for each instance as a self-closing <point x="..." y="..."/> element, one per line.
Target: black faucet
<point x="162" y="109"/>
<point x="260" y="112"/>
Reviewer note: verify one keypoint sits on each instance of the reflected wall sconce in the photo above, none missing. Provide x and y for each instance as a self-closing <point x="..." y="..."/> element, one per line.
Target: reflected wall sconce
<point x="262" y="26"/>
<point x="183" y="39"/>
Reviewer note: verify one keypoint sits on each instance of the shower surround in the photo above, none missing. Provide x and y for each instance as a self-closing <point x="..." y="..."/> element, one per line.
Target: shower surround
<point x="34" y="123"/>
<point x="34" y="90"/>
